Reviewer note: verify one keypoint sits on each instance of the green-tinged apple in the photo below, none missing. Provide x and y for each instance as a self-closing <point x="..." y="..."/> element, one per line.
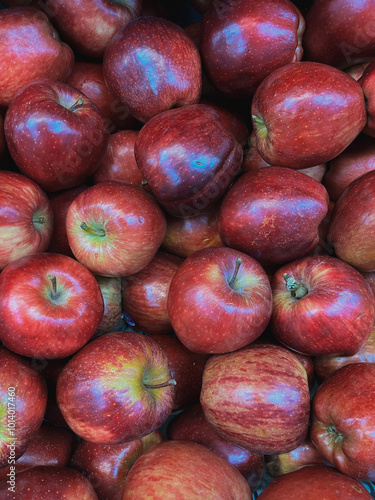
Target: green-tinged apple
<point x="110" y="287"/>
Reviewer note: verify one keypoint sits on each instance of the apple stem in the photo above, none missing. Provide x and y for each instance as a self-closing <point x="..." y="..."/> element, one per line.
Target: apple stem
<point x="39" y="220"/>
<point x="54" y="285"/>
<point x="144" y="182"/>
<point x="91" y="230"/>
<point x="235" y="273"/>
<point x="171" y="381"/>
<point x="77" y="104"/>
<point x="297" y="290"/>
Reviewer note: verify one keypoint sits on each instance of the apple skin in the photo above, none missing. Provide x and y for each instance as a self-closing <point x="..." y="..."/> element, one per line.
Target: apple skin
<point x="50" y="483"/>
<point x="188" y="158"/>
<point x="352" y="223"/>
<point x="273" y="214"/>
<point x="107" y="466"/>
<point x="330" y="39"/>
<point x="26" y="220"/>
<point x="30" y="308"/>
<point x="55" y="134"/>
<point x="330" y="312"/>
<point x="238" y="51"/>
<point x="151" y="65"/>
<point x="257" y="397"/>
<point x="123" y="382"/>
<point x="144" y="294"/>
<point x="367" y="82"/>
<point x="316" y="101"/>
<point x="343" y="419"/>
<point x="192" y="425"/>
<point x="183" y="469"/>
<point x="111" y="291"/>
<point x="186" y="369"/>
<point x="31" y="49"/>
<point x="231" y="315"/>
<point x="312" y="482"/>
<point x="115" y="228"/>
<point x="23" y="396"/>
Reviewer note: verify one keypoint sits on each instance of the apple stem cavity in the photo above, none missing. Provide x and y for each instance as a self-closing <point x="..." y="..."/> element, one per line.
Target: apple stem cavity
<point x="171" y="381"/>
<point x="76" y="105"/>
<point x="297" y="289"/>
<point x="54" y="286"/>
<point x="235" y="273"/>
<point x="39" y="220"/>
<point x="94" y="232"/>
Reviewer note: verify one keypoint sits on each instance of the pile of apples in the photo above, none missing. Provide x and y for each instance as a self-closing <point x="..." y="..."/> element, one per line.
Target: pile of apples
<point x="187" y="249"/>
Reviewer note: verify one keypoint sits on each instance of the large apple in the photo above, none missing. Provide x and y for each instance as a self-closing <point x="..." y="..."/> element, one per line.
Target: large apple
<point x="219" y="300"/>
<point x="244" y="41"/>
<point x="123" y="385"/>
<point x="115" y="228"/>
<point x="30" y="49"/>
<point x="26" y="218"/>
<point x="298" y="106"/>
<point x="152" y="65"/>
<point x="343" y="420"/>
<point x="188" y="158"/>
<point x="186" y="470"/>
<point x="273" y="214"/>
<point x="257" y="397"/>
<point x="321" y="306"/>
<point x="55" y="134"/>
<point x="50" y="305"/>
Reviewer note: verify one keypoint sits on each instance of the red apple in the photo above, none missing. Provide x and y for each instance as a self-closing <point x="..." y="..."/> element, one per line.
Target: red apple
<point x="50" y="306"/>
<point x="23" y="396"/>
<point x="55" y="134"/>
<point x="257" y="397"/>
<point x="244" y="41"/>
<point x="26" y="220"/>
<point x="111" y="291"/>
<point x="298" y="106"/>
<point x="123" y="383"/>
<point x="273" y="214"/>
<point x="219" y="300"/>
<point x="312" y="482"/>
<point x="107" y="465"/>
<point x="343" y="420"/>
<point x="30" y="49"/>
<point x="321" y="307"/>
<point x="188" y="158"/>
<point x="192" y="425"/>
<point x="115" y="228"/>
<point x="353" y="223"/>
<point x="151" y="65"/>
<point x="182" y="469"/>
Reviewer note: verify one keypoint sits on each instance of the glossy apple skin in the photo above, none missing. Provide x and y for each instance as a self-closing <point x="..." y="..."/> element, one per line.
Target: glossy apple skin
<point x="316" y="101"/>
<point x="357" y="159"/>
<point x="211" y="315"/>
<point x="192" y="425"/>
<point x="119" y="162"/>
<point x="367" y="82"/>
<point x="188" y="158"/>
<point x="238" y="51"/>
<point x="186" y="369"/>
<point x="151" y="65"/>
<point x="144" y="294"/>
<point x="111" y="291"/>
<point x="315" y="481"/>
<point x="186" y="235"/>
<point x="336" y="315"/>
<point x="273" y="214"/>
<point x="113" y="377"/>
<point x="23" y="400"/>
<point x="26" y="219"/>
<point x="49" y="482"/>
<point x="30" y="309"/>
<point x="87" y="76"/>
<point x="257" y="397"/>
<point x="343" y="414"/>
<point x="330" y="39"/>
<point x="183" y="469"/>
<point x="31" y="49"/>
<point x="353" y="222"/>
<point x="107" y="466"/>
<point x="125" y="228"/>
<point x="55" y="134"/>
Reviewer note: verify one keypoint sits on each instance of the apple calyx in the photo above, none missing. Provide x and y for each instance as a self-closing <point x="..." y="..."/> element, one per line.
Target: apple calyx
<point x="296" y="289"/>
<point x="235" y="273"/>
<point x="94" y="232"/>
<point x="336" y="436"/>
<point x="171" y="381"/>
